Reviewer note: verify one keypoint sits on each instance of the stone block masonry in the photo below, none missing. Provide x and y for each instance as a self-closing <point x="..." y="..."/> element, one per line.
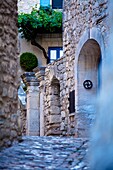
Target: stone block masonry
<point x="9" y="130"/>
<point x="83" y="21"/>
<point x="85" y="25"/>
<point x="56" y="95"/>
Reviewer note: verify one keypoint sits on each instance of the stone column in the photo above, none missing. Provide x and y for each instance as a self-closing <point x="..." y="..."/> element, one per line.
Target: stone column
<point x="33" y="114"/>
<point x="40" y="72"/>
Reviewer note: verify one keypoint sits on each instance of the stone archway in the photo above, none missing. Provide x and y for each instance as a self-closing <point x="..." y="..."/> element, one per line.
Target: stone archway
<point x="55" y="110"/>
<point x="88" y="83"/>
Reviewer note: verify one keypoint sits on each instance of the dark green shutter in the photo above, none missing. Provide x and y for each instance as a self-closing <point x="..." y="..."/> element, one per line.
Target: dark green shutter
<point x="72" y="101"/>
<point x="57" y="4"/>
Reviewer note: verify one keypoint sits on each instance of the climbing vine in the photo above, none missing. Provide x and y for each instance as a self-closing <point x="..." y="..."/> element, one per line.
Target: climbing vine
<point x="44" y="20"/>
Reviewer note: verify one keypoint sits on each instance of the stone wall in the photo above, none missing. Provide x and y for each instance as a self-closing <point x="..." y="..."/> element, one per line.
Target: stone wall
<point x="45" y="40"/>
<point x="83" y="21"/>
<point x="56" y="103"/>
<point x="22" y="112"/>
<point x="51" y="103"/>
<point x="69" y="107"/>
<point x="9" y="130"/>
<point x="80" y="16"/>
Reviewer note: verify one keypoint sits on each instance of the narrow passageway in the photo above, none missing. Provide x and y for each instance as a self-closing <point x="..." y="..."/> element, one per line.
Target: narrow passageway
<point x="48" y="153"/>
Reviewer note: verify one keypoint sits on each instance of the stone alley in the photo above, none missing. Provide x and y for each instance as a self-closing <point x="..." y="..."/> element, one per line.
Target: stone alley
<point x="48" y="153"/>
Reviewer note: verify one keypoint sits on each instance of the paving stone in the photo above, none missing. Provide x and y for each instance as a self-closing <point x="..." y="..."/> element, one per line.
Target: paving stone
<point x="48" y="153"/>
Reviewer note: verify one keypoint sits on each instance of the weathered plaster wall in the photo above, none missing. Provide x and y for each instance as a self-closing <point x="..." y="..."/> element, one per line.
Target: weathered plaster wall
<point x="26" y="6"/>
<point x="45" y="40"/>
<point x="9" y="130"/>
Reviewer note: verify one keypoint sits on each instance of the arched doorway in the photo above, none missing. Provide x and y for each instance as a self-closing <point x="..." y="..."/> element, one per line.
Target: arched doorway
<point x="55" y="110"/>
<point x="88" y="84"/>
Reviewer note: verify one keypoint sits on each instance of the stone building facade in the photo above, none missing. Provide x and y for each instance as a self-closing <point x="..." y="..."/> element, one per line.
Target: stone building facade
<point x="70" y="86"/>
<point x="84" y="38"/>
<point x="9" y="129"/>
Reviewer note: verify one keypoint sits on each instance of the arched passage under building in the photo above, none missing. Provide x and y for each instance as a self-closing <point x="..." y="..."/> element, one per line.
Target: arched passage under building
<point x="88" y="84"/>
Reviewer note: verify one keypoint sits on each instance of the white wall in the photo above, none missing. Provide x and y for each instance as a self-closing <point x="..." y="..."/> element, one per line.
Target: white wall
<point x="45" y="40"/>
<point x="27" y="5"/>
<point x="27" y="47"/>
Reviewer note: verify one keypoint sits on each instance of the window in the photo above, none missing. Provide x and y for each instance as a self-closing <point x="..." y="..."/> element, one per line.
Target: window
<point x="54" y="53"/>
<point x="72" y="102"/>
<point x="57" y="4"/>
<point x="44" y="2"/>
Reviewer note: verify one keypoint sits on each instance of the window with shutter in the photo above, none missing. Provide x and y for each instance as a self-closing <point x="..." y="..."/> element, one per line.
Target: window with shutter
<point x="57" y="4"/>
<point x="55" y="53"/>
<point x="72" y="101"/>
<point x="44" y="2"/>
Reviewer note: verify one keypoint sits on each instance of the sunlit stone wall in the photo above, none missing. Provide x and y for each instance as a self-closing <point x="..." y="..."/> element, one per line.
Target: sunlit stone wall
<point x="9" y="130"/>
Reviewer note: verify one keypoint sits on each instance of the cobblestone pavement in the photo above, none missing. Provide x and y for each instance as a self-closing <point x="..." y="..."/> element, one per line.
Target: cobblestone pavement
<point x="48" y="153"/>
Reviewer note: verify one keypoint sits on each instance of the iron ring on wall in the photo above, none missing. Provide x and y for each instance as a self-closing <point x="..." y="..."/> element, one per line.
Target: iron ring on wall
<point x="87" y="84"/>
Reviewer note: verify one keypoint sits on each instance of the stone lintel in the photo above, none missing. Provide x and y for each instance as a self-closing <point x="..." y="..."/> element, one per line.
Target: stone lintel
<point x="30" y="79"/>
<point x="40" y="73"/>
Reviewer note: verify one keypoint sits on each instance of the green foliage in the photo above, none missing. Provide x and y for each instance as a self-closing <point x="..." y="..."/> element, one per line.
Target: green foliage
<point x="44" y="20"/>
<point x="28" y="61"/>
<point x="25" y="88"/>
